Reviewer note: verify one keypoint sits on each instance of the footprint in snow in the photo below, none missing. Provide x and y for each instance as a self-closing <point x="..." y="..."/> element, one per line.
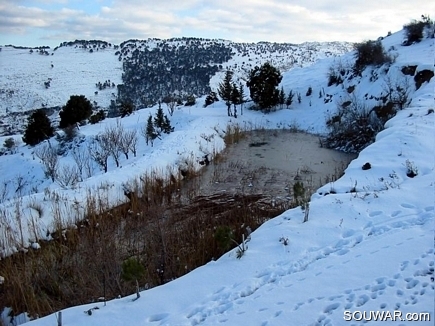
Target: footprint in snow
<point x="157" y="317"/>
<point x="406" y="205"/>
<point x="262" y="309"/>
<point x="277" y="313"/>
<point x="348" y="233"/>
<point x="362" y="299"/>
<point x="342" y="252"/>
<point x="395" y="213"/>
<point x="391" y="283"/>
<point x="330" y="308"/>
<point x="404" y="265"/>
<point x="375" y="213"/>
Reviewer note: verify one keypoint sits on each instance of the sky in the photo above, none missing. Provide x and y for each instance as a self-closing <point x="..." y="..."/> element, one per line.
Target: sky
<point x="50" y="22"/>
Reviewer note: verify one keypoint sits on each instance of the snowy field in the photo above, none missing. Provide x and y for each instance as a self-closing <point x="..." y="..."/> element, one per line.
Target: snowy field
<point x="365" y="251"/>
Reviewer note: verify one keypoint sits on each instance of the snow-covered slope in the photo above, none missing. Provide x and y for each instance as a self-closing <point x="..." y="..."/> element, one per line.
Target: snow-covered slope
<point x="366" y="250"/>
<point x="35" y="78"/>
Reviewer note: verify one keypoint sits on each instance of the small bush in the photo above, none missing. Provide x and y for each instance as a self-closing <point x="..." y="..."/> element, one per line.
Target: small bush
<point x="132" y="270"/>
<point x="223" y="237"/>
<point x="336" y="73"/>
<point x="309" y="91"/>
<point x="97" y="117"/>
<point x="411" y="169"/>
<point x="353" y="128"/>
<point x="190" y="101"/>
<point x="210" y="99"/>
<point x="370" y="53"/>
<point x="9" y="143"/>
<point x="414" y="30"/>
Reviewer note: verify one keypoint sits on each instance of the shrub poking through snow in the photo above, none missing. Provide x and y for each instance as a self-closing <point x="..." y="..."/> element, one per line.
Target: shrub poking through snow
<point x="353" y="128"/>
<point x="370" y="53"/>
<point x="411" y="169"/>
<point x="415" y="30"/>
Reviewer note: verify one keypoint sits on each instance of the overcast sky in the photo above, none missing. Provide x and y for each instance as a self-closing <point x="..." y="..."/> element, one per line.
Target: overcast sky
<point x="50" y="22"/>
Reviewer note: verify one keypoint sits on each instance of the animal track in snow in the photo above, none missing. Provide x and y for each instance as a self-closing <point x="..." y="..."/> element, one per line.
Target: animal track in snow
<point x="395" y="213"/>
<point x="157" y="317"/>
<point x="406" y="205"/>
<point x="375" y="213"/>
<point x="330" y="308"/>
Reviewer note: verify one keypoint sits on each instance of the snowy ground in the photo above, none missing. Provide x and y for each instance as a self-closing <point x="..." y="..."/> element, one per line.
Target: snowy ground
<point x="363" y="251"/>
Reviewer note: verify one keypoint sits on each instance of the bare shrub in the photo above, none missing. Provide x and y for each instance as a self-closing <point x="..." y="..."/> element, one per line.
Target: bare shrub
<point x="398" y="91"/>
<point x="48" y="156"/>
<point x="354" y="127"/>
<point x="113" y="136"/>
<point x="128" y="142"/>
<point x="100" y="150"/>
<point x="171" y="103"/>
<point x="83" y="162"/>
<point x="67" y="176"/>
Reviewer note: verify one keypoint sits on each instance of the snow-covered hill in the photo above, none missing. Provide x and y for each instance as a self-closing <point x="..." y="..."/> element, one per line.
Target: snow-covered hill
<point x="36" y="78"/>
<point x="368" y="245"/>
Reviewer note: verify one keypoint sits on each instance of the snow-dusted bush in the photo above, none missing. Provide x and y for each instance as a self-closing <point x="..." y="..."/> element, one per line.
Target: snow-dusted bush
<point x="415" y="29"/>
<point x="370" y="53"/>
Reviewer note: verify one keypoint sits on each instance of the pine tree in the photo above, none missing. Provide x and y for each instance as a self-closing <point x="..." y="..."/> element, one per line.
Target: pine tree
<point x="166" y="127"/>
<point x="262" y="84"/>
<point x="77" y="108"/>
<point x="281" y="97"/>
<point x="235" y="98"/>
<point x="38" y="128"/>
<point x="225" y="90"/>
<point x="150" y="133"/>
<point x="289" y="99"/>
<point x="242" y="97"/>
<point x="159" y="119"/>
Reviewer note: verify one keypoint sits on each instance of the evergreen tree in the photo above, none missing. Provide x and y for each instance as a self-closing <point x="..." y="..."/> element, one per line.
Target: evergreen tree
<point x="309" y="91"/>
<point x="262" y="84"/>
<point x="281" y="97"/>
<point x="38" y="128"/>
<point x="77" y="108"/>
<point x="166" y="127"/>
<point x="289" y="99"/>
<point x="159" y="119"/>
<point x="150" y="132"/>
<point x="225" y="90"/>
<point x="242" y="97"/>
<point x="235" y="98"/>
